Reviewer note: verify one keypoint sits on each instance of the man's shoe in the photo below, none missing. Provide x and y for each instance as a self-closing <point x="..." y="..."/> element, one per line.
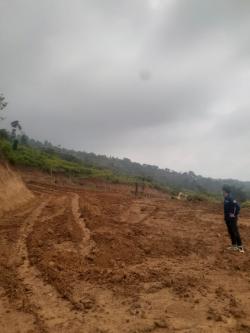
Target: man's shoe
<point x="241" y="249"/>
<point x="233" y="248"/>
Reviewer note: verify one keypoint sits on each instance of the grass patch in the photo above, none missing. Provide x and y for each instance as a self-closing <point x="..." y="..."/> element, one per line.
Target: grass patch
<point x="202" y="196"/>
<point x="246" y="204"/>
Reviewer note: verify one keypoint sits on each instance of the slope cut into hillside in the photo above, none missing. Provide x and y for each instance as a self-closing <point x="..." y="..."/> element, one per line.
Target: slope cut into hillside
<point x="13" y="192"/>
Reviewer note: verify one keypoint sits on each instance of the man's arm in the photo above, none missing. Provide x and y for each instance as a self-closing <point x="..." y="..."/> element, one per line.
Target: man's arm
<point x="233" y="208"/>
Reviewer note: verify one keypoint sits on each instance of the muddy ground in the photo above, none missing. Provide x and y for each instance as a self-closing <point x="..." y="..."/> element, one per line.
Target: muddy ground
<point x="104" y="261"/>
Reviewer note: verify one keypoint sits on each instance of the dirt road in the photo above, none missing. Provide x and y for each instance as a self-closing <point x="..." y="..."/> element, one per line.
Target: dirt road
<point x="106" y="262"/>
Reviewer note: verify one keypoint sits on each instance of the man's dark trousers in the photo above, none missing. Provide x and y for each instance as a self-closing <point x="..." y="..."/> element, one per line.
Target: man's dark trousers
<point x="233" y="231"/>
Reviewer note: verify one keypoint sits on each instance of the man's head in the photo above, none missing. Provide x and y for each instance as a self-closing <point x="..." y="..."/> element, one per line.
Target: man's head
<point x="226" y="190"/>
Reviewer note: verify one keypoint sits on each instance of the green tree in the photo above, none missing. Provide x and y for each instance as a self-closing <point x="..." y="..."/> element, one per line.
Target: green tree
<point x="24" y="139"/>
<point x="4" y="134"/>
<point x="3" y="104"/>
<point x="15" y="126"/>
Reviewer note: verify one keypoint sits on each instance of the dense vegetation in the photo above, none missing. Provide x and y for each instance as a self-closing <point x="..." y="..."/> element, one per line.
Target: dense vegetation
<point x="49" y="157"/>
<point x="50" y="160"/>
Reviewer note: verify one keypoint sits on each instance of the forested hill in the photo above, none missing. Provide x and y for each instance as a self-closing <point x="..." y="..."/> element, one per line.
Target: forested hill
<point x="165" y="177"/>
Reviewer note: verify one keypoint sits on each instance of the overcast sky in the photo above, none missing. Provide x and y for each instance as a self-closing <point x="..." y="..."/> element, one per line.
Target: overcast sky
<point x="162" y="82"/>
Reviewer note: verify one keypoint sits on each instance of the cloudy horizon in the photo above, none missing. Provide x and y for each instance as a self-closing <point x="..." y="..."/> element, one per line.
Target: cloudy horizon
<point x="162" y="82"/>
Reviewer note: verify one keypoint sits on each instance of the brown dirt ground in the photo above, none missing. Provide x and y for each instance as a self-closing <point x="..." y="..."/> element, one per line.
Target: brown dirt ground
<point x="98" y="260"/>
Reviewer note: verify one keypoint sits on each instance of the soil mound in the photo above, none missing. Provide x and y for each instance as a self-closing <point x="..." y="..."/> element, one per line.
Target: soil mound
<point x="13" y="191"/>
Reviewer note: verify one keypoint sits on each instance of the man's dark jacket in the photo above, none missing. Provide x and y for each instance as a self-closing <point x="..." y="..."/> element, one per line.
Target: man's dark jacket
<point x="231" y="208"/>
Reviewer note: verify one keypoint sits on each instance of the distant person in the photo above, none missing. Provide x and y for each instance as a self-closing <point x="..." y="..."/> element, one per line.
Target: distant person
<point x="231" y="213"/>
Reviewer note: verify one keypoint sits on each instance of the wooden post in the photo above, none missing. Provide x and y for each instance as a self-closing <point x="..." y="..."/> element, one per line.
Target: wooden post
<point x="136" y="189"/>
<point x="51" y="175"/>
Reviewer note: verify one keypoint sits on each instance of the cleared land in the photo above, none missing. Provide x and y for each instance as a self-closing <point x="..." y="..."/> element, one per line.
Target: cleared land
<point x="100" y="260"/>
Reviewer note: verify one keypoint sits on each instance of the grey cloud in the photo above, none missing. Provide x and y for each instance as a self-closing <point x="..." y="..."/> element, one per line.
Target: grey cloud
<point x="73" y="73"/>
<point x="194" y="20"/>
<point x="234" y="126"/>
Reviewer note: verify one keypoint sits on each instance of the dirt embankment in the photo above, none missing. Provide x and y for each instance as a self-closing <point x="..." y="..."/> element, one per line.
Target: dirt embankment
<point x="13" y="191"/>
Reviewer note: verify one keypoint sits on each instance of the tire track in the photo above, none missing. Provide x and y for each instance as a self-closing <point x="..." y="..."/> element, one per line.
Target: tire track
<point x="87" y="245"/>
<point x="51" y="311"/>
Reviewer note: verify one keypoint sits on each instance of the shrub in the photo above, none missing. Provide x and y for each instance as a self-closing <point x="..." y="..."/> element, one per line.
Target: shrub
<point x="246" y="204"/>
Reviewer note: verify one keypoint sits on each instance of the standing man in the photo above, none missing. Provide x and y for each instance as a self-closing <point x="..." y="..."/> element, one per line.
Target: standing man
<point x="231" y="212"/>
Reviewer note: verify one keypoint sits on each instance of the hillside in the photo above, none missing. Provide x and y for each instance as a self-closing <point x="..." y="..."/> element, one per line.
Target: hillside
<point x="50" y="158"/>
<point x="53" y="161"/>
<point x="176" y="181"/>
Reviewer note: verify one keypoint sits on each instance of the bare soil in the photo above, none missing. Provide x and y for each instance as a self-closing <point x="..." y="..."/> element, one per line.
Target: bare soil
<point x="100" y="260"/>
